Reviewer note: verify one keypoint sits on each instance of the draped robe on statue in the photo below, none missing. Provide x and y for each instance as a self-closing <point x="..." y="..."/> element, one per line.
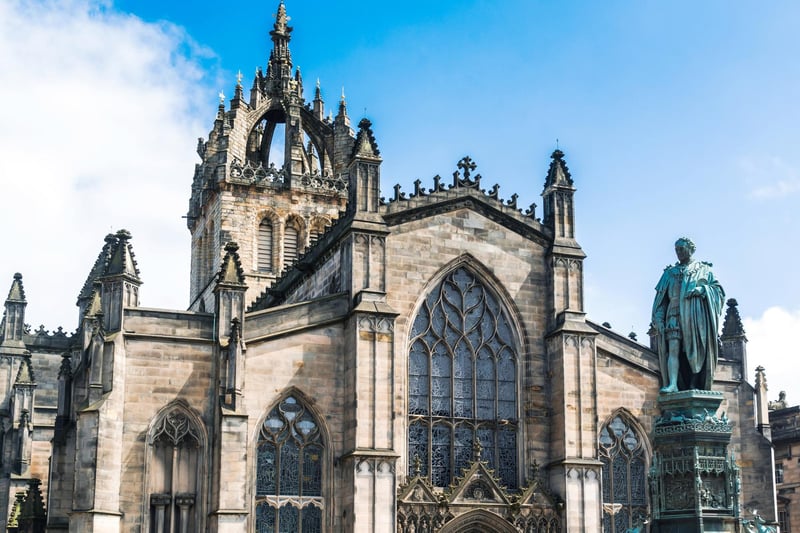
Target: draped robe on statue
<point x="695" y="320"/>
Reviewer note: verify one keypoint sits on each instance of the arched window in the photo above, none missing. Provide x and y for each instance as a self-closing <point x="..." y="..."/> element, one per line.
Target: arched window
<point x="289" y="471"/>
<point x="174" y="473"/>
<point x="624" y="475"/>
<point x="462" y="376"/>
<point x="265" y="246"/>
<point x="290" y="239"/>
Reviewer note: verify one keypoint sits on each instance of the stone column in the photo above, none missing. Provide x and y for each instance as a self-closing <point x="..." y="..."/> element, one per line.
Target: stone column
<point x="575" y="472"/>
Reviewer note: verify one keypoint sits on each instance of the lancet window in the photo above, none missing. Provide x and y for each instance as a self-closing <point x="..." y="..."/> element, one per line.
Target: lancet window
<point x="174" y="474"/>
<point x="462" y="379"/>
<point x="624" y="475"/>
<point x="265" y="246"/>
<point x="289" y="471"/>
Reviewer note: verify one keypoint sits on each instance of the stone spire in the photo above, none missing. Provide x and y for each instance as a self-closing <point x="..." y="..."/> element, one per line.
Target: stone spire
<point x="14" y="317"/>
<point x="25" y="373"/>
<point x="566" y="254"/>
<point x="99" y="267"/>
<point x="733" y="322"/>
<point x="319" y="104"/>
<point x="231" y="271"/>
<point x="122" y="261"/>
<point x="558" y="173"/>
<point x="733" y="340"/>
<point x="365" y="145"/>
<point x="280" y="58"/>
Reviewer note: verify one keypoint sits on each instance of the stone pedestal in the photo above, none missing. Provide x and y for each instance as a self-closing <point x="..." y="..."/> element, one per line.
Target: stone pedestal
<point x="694" y="482"/>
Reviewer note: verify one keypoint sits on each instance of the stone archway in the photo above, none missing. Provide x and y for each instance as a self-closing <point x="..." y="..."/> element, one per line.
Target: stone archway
<point x="478" y="521"/>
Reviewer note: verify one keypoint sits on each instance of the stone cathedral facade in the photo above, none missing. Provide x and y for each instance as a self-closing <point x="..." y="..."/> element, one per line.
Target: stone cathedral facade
<point x="346" y="363"/>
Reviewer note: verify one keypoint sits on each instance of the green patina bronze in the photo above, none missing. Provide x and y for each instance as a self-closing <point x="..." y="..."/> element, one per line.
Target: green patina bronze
<point x="686" y="314"/>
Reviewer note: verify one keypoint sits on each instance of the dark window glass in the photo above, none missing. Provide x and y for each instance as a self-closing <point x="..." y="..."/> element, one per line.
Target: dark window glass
<point x="289" y="475"/>
<point x="462" y="374"/>
<point x="624" y="475"/>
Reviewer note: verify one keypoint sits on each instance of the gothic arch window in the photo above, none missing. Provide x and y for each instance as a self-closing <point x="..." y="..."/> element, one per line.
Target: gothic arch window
<point x="174" y="472"/>
<point x="289" y="470"/>
<point x="316" y="229"/>
<point x="462" y="382"/>
<point x="623" y="454"/>
<point x="264" y="247"/>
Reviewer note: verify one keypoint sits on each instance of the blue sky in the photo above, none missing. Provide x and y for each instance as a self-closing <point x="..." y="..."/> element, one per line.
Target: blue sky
<point x="677" y="118"/>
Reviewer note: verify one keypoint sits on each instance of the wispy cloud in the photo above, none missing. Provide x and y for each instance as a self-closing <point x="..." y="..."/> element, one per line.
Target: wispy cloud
<point x="772" y="345"/>
<point x="100" y="121"/>
<point x="772" y="177"/>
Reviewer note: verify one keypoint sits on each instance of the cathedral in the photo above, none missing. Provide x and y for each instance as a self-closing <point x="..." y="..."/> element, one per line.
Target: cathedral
<point x="347" y="362"/>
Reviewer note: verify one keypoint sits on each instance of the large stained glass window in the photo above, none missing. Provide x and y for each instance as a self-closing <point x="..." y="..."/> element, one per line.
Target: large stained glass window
<point x="462" y="380"/>
<point x="289" y="471"/>
<point x="624" y="476"/>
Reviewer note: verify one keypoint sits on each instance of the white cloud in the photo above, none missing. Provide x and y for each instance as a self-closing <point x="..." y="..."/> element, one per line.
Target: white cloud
<point x="98" y="132"/>
<point x="771" y="344"/>
<point x="773" y="177"/>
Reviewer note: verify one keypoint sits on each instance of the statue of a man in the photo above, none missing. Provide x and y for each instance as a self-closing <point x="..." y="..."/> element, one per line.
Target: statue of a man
<point x="686" y="314"/>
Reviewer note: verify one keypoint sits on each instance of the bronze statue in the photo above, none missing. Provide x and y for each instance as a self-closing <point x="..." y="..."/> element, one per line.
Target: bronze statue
<point x="686" y="314"/>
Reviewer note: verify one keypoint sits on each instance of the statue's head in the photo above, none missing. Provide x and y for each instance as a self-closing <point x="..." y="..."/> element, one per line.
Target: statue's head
<point x="684" y="249"/>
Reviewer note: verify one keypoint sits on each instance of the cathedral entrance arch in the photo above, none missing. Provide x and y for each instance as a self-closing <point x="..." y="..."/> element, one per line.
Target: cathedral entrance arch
<point x="478" y="521"/>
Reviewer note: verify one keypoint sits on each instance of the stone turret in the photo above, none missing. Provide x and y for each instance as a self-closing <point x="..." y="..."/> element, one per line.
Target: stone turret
<point x="733" y="340"/>
<point x="14" y="319"/>
<point x="566" y="255"/>
<point x="120" y="282"/>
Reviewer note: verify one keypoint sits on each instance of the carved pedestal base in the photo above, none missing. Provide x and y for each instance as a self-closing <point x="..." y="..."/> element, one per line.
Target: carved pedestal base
<point x="694" y="482"/>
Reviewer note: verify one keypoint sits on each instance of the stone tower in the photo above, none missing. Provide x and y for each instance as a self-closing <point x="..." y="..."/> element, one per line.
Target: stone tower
<point x="273" y="175"/>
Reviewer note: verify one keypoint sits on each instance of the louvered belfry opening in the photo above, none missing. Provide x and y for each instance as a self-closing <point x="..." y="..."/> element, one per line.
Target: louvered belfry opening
<point x="265" y="246"/>
<point x="290" y="238"/>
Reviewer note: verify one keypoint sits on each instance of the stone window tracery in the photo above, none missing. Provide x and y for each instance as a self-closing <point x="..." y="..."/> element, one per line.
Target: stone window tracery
<point x="289" y="471"/>
<point x="624" y="475"/>
<point x="462" y="373"/>
<point x="174" y="474"/>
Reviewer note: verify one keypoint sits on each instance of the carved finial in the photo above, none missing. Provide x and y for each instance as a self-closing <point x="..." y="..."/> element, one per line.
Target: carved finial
<point x="221" y="98"/>
<point x="239" y="78"/>
<point x="417" y="465"/>
<point x="466" y="165"/>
